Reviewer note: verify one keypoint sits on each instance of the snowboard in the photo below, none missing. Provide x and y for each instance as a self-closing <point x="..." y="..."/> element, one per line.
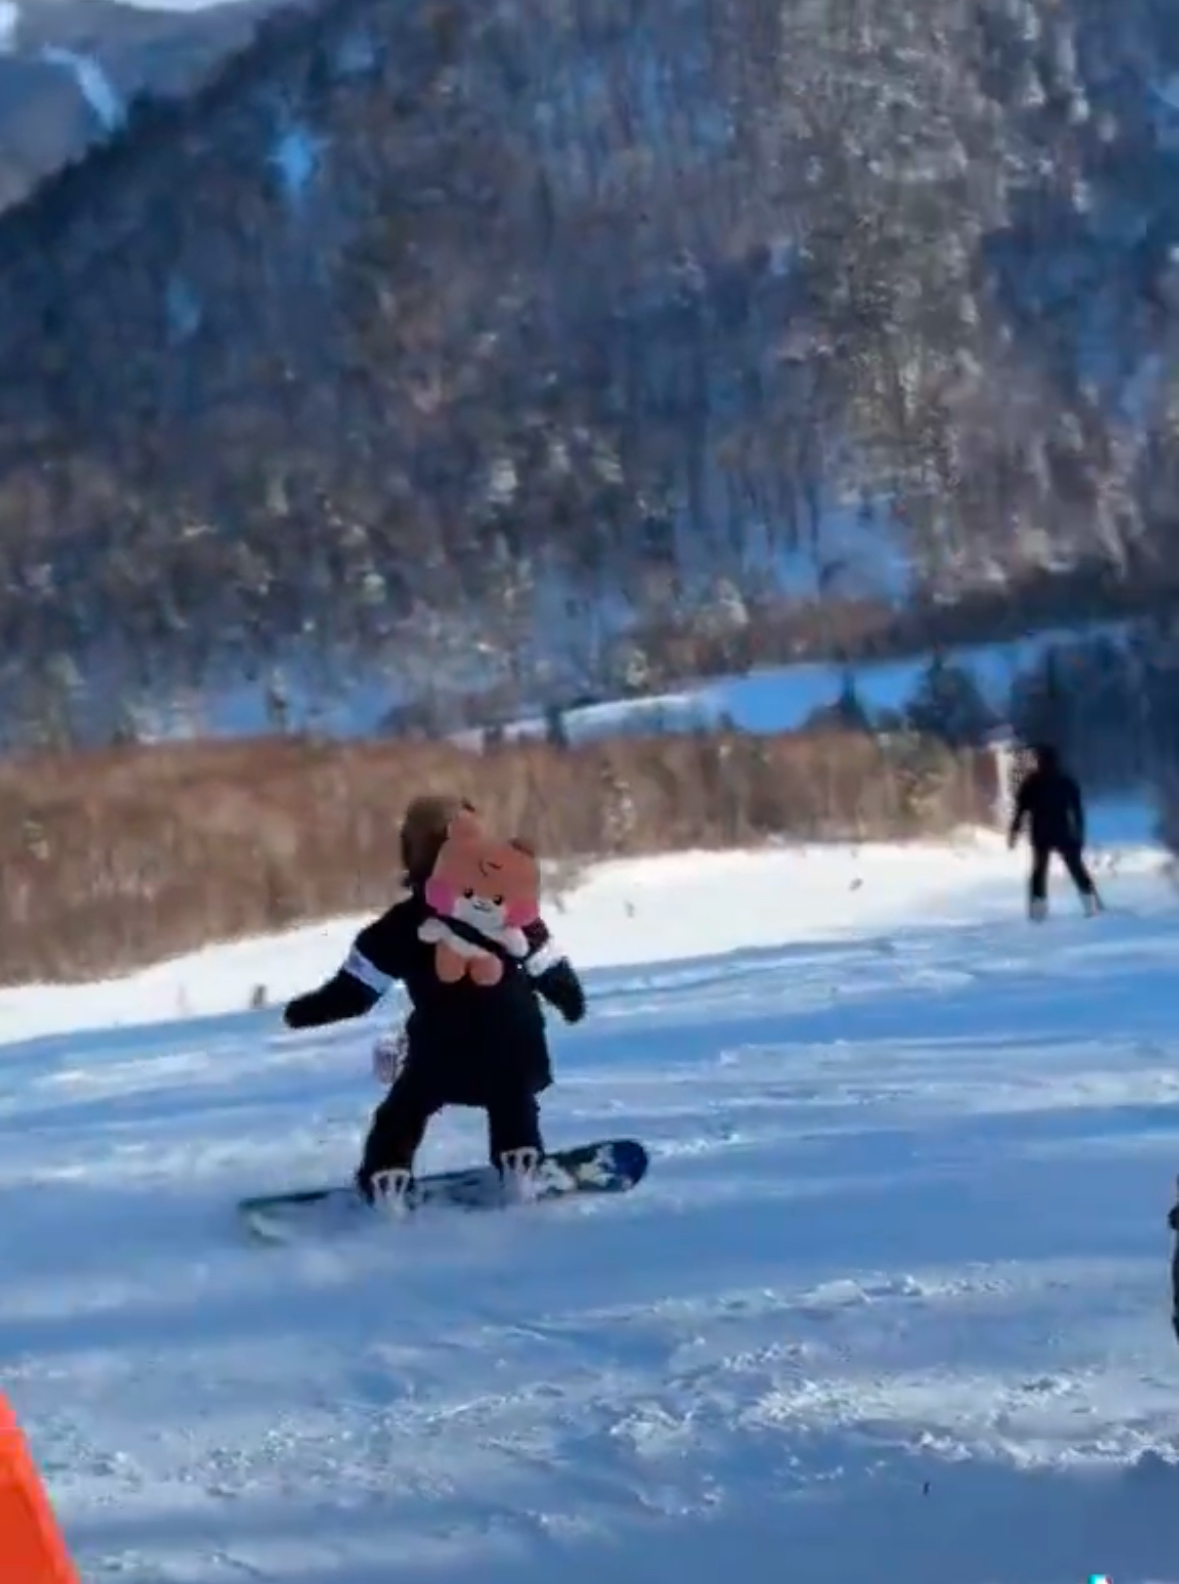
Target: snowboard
<point x="605" y="1166"/>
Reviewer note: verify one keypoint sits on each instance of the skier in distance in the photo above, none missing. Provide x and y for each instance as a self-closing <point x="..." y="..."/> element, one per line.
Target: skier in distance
<point x="1049" y="802"/>
<point x="475" y="1036"/>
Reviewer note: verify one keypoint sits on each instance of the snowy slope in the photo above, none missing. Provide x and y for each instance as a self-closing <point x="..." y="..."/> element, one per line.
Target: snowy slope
<point x="890" y="1305"/>
<point x="783" y="697"/>
<point x="771" y="698"/>
<point x="635" y="911"/>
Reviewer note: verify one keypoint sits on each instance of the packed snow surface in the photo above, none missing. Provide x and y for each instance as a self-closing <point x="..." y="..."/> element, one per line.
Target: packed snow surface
<point x="891" y="1304"/>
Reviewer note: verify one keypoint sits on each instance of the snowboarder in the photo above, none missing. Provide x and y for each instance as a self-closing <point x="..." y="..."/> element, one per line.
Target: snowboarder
<point x="1049" y="801"/>
<point x="472" y="952"/>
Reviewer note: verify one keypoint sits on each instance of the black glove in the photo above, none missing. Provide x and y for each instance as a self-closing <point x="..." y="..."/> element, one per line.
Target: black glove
<point x="341" y="998"/>
<point x="561" y="987"/>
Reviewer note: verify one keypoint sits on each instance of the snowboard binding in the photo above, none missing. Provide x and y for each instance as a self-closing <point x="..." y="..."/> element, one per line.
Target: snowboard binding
<point x="391" y="1191"/>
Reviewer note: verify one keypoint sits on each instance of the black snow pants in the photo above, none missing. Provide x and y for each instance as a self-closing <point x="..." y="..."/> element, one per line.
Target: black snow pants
<point x="1070" y="855"/>
<point x="399" y="1124"/>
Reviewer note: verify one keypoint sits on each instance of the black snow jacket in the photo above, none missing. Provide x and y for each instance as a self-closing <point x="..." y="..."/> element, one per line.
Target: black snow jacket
<point x="1049" y="801"/>
<point x="470" y="1042"/>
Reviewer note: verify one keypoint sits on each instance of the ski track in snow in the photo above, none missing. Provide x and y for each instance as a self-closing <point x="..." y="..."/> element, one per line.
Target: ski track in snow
<point x="891" y="1303"/>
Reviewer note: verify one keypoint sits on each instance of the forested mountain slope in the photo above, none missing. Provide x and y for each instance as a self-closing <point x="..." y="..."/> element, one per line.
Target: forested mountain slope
<point x="424" y="309"/>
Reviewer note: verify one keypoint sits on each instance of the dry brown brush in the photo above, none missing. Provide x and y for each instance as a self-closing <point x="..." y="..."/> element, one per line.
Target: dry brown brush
<point x="112" y="860"/>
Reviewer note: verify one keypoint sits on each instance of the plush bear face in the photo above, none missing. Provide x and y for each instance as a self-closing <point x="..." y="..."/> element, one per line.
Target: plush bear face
<point x="491" y="885"/>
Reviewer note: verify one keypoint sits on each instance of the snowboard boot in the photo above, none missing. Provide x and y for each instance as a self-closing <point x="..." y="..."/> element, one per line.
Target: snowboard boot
<point x="519" y="1171"/>
<point x="1037" y="910"/>
<point x="390" y="1191"/>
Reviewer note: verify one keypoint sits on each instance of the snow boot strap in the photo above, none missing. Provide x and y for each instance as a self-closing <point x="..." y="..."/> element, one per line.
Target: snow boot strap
<point x="519" y="1169"/>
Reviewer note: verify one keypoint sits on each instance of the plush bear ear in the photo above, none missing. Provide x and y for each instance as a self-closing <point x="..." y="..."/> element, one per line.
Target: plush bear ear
<point x="525" y="909"/>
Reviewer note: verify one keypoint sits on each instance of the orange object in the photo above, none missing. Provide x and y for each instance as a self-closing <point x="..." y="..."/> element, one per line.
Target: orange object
<point x="32" y="1550"/>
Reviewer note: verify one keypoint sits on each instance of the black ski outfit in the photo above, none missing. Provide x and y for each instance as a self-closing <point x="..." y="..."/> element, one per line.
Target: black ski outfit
<point x="1049" y="801"/>
<point x="467" y="1044"/>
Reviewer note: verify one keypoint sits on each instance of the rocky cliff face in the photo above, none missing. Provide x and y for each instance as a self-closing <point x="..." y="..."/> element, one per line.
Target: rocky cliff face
<point x="423" y="309"/>
<point x="69" y="70"/>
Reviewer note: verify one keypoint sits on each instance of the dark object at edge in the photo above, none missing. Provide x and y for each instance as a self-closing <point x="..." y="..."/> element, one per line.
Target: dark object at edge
<point x="1173" y="1223"/>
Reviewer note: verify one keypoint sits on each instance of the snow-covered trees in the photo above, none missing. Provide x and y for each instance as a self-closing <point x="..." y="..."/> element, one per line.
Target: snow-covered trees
<point x="424" y="322"/>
